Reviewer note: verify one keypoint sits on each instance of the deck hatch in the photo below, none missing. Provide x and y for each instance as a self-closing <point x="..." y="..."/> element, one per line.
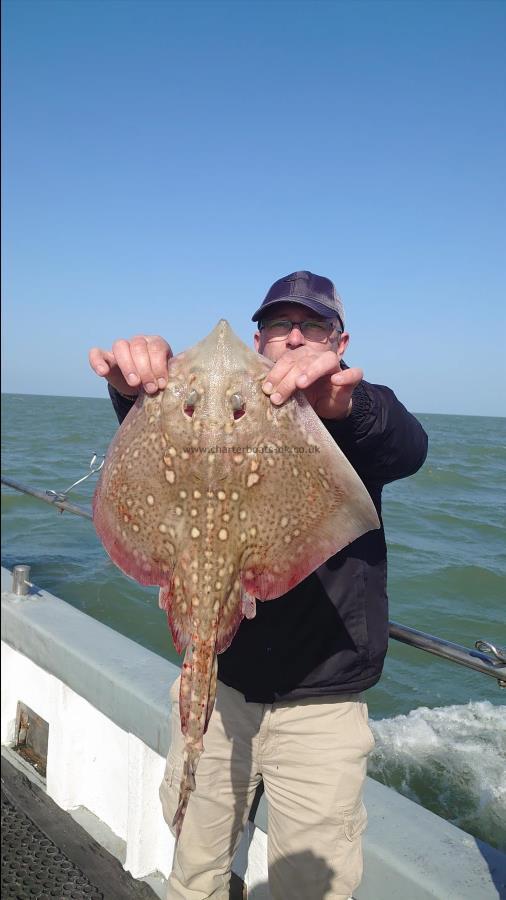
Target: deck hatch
<point x="32" y="733"/>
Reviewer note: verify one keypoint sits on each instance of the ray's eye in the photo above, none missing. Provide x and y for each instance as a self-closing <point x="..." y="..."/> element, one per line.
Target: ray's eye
<point x="237" y="403"/>
<point x="190" y="403"/>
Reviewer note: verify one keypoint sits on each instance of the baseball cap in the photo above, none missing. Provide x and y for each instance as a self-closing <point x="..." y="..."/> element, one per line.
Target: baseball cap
<point x="314" y="291"/>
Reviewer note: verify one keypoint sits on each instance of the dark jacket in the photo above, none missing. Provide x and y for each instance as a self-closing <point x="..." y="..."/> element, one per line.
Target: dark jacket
<point x="330" y="633"/>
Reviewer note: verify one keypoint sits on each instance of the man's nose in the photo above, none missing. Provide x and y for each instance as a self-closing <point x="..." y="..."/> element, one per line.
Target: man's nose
<point x="295" y="338"/>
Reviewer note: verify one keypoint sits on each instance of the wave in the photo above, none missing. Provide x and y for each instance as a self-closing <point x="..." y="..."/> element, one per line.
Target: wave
<point x="474" y="587"/>
<point x="450" y="760"/>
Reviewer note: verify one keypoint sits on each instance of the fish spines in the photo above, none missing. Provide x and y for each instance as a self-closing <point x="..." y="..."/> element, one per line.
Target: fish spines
<point x="191" y="759"/>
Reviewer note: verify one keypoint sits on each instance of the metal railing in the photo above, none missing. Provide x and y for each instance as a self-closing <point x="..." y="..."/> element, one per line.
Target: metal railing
<point x="485" y="657"/>
<point x="49" y="497"/>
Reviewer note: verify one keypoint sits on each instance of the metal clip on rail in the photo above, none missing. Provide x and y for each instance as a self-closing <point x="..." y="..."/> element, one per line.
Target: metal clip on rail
<point x="498" y="655"/>
<point x="62" y="495"/>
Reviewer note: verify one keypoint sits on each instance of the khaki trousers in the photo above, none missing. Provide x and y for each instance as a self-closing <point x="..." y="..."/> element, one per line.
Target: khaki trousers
<point x="311" y="756"/>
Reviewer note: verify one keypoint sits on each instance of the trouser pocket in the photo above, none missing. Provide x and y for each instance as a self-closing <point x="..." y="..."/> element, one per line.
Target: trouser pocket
<point x="363" y="723"/>
<point x="355" y="821"/>
<point x="169" y="790"/>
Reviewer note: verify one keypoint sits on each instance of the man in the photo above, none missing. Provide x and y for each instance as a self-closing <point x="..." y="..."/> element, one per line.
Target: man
<point x="289" y="711"/>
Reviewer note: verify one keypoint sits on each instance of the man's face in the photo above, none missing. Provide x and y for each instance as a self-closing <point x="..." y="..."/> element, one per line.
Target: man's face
<point x="274" y="347"/>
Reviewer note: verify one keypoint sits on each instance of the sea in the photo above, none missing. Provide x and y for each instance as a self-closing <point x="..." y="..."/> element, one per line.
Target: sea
<point x="440" y="728"/>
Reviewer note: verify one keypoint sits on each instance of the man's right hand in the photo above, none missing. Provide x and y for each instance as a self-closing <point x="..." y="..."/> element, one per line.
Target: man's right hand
<point x="131" y="365"/>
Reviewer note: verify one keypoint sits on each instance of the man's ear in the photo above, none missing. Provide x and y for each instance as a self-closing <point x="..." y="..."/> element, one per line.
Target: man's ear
<point x="342" y="344"/>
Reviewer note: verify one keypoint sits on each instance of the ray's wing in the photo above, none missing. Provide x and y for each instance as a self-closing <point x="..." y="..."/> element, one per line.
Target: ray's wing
<point x="135" y="500"/>
<point x="302" y="500"/>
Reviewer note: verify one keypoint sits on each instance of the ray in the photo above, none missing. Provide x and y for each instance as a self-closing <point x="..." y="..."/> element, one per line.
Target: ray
<point x="222" y="499"/>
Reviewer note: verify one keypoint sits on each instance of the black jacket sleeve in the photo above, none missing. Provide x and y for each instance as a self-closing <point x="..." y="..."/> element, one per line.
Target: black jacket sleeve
<point x="122" y="405"/>
<point x="381" y="439"/>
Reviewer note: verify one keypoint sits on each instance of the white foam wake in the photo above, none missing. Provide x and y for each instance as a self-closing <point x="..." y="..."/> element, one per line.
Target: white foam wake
<point x="450" y="759"/>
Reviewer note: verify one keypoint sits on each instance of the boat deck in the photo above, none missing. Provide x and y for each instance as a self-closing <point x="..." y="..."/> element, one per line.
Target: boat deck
<point x="45" y="854"/>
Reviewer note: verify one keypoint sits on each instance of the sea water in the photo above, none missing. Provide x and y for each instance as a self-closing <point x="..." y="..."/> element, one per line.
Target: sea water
<point x="440" y="729"/>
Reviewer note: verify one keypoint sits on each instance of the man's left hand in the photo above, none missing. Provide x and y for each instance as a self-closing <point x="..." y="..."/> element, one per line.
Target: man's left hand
<point x="328" y="388"/>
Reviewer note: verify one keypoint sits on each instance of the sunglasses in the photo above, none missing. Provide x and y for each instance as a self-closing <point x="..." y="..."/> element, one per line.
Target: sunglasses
<point x="311" y="329"/>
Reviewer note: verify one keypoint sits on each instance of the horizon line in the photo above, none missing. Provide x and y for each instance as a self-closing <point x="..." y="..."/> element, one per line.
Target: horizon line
<point x="105" y="398"/>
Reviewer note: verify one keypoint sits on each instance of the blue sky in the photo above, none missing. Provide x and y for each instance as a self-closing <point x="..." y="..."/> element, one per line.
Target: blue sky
<point x="164" y="162"/>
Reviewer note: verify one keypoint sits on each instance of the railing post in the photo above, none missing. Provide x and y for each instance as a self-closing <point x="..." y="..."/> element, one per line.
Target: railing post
<point x="21" y="580"/>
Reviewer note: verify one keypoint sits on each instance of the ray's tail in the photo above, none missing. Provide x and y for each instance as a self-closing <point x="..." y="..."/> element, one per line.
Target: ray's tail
<point x="191" y="758"/>
<point x="196" y="702"/>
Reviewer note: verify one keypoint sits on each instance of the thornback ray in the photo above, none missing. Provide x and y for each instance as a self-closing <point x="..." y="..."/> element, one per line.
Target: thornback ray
<point x="219" y="497"/>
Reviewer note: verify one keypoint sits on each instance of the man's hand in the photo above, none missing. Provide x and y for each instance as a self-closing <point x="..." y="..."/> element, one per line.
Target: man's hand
<point x="327" y="387"/>
<point x="131" y="365"/>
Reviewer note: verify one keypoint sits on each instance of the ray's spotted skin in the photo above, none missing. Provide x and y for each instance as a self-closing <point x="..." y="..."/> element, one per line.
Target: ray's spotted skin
<point x="220" y="498"/>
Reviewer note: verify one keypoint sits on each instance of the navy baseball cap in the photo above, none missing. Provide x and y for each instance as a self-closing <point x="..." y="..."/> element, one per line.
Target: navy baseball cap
<point x="313" y="291"/>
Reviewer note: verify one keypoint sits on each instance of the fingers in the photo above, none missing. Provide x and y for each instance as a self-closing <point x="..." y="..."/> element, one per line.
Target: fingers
<point x="140" y="362"/>
<point x="160" y="352"/>
<point x="298" y="371"/>
<point x="143" y="361"/>
<point x="337" y="404"/>
<point x="347" y="378"/>
<point x="138" y="372"/>
<point x="101" y="361"/>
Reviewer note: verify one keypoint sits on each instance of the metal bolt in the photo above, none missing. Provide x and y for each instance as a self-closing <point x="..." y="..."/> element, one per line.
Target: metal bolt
<point x="21" y="580"/>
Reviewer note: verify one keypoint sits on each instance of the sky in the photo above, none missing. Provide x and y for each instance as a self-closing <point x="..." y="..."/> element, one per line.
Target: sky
<point x="165" y="162"/>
